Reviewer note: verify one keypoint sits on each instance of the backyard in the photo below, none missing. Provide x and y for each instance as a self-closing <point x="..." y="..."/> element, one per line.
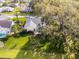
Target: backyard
<point x="13" y="46"/>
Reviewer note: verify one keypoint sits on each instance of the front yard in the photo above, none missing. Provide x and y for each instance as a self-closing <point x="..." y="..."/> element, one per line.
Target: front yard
<point x="13" y="46"/>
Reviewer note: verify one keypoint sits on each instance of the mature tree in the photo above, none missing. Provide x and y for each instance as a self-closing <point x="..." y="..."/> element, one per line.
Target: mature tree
<point x="62" y="24"/>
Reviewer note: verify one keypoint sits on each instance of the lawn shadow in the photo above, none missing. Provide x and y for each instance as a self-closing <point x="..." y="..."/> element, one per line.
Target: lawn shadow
<point x="4" y="39"/>
<point x="20" y="34"/>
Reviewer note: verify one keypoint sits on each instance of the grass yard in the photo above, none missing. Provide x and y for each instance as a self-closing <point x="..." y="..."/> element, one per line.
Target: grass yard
<point x="13" y="46"/>
<point x="20" y="19"/>
<point x="8" y="53"/>
<point x="9" y="13"/>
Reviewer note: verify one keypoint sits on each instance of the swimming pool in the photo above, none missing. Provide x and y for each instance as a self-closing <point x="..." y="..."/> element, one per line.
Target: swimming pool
<point x="3" y="34"/>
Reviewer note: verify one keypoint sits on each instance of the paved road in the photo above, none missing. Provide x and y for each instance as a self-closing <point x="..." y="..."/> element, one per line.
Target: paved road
<point x="10" y="16"/>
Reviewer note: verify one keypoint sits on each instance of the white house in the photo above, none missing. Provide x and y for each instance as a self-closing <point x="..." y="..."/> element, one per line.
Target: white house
<point x="33" y="23"/>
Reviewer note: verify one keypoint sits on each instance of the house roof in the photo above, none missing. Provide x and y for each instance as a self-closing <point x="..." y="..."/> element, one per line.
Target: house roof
<point x="27" y="9"/>
<point x="4" y="22"/>
<point x="32" y="23"/>
<point x="35" y="19"/>
<point x="30" y="26"/>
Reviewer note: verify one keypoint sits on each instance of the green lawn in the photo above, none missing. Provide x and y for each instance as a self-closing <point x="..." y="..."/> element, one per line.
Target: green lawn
<point x="9" y="13"/>
<point x="20" y="19"/>
<point x="8" y="53"/>
<point x="13" y="46"/>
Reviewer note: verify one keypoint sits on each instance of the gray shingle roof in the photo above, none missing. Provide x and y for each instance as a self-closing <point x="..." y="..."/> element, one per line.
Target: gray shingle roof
<point x="33" y="23"/>
<point x="35" y="19"/>
<point x="4" y="22"/>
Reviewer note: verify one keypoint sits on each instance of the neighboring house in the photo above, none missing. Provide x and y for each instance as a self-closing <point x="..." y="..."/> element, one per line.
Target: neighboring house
<point x="26" y="9"/>
<point x="6" y="8"/>
<point x="5" y="26"/>
<point x="33" y="23"/>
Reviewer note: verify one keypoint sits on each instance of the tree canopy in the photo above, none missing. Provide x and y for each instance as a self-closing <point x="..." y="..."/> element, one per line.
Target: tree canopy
<point x="62" y="24"/>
